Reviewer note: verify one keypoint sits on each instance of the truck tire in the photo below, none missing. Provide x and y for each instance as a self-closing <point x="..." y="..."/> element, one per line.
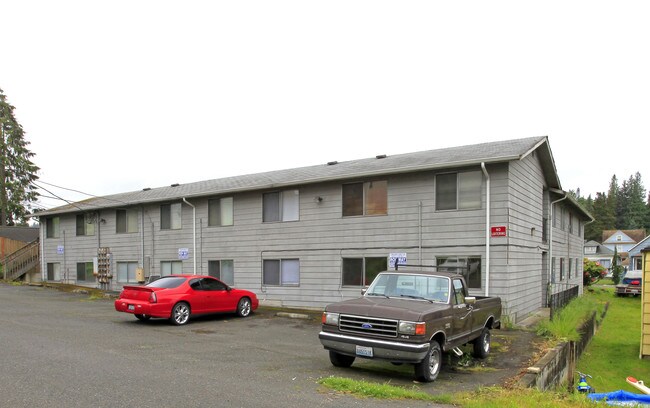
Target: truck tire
<point x="482" y="344"/>
<point x="340" y="360"/>
<point x="428" y="369"/>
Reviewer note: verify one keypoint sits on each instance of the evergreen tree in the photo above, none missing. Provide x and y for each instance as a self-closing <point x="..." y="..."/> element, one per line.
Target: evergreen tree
<point x="17" y="172"/>
<point x="633" y="209"/>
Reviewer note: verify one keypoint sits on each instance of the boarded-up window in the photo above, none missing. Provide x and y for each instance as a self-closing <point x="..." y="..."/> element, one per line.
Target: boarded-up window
<point x="369" y="198"/>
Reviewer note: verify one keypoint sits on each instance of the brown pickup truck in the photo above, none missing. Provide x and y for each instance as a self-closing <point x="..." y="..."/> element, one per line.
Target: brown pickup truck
<point x="410" y="317"/>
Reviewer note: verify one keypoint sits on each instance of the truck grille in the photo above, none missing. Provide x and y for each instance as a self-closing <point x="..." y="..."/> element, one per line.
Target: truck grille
<point x="368" y="325"/>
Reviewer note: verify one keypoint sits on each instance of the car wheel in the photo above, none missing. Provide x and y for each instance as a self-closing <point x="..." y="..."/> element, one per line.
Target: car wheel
<point x="143" y="317"/>
<point x="244" y="307"/>
<point x="428" y="369"/>
<point x="180" y="313"/>
<point x="340" y="360"/>
<point x="482" y="344"/>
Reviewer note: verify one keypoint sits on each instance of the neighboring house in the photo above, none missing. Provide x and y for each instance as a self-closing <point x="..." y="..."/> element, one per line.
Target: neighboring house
<point x="596" y="252"/>
<point x="636" y="254"/>
<point x="622" y="241"/>
<point x="14" y="238"/>
<point x="310" y="236"/>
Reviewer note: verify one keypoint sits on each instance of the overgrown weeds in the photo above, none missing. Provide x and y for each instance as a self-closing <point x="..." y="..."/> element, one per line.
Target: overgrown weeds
<point x="566" y="323"/>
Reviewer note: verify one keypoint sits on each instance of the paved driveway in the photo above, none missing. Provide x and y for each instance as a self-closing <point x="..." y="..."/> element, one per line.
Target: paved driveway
<point x="63" y="349"/>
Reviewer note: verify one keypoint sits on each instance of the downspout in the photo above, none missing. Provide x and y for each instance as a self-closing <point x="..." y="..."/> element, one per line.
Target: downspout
<point x="550" y="234"/>
<point x="142" y="238"/>
<point x="487" y="230"/>
<point x="194" y="231"/>
<point x="419" y="233"/>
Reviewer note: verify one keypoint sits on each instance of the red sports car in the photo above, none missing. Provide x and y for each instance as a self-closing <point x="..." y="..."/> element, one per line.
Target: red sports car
<point x="177" y="297"/>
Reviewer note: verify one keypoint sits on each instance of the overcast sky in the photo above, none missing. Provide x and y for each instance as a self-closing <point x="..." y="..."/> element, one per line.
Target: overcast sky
<point x="115" y="96"/>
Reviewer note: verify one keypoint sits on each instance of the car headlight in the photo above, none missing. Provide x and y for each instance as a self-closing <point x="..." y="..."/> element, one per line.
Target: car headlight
<point x="412" y="328"/>
<point x="331" y="318"/>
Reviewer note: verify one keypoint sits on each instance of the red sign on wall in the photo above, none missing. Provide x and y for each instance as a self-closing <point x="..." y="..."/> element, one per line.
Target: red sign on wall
<point x="499" y="231"/>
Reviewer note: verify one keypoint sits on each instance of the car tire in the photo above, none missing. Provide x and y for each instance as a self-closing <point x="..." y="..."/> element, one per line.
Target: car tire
<point x="482" y="344"/>
<point x="428" y="369"/>
<point x="340" y="360"/>
<point x="180" y="313"/>
<point x="142" y="317"/>
<point x="244" y="307"/>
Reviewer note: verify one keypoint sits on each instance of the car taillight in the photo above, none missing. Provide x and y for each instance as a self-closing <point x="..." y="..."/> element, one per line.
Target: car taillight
<point x="153" y="298"/>
<point x="635" y="282"/>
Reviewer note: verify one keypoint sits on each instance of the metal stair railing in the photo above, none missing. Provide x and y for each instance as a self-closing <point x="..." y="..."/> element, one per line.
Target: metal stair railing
<point x="22" y="261"/>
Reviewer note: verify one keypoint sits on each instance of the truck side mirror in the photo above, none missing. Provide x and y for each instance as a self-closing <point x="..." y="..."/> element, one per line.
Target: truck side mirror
<point x="470" y="300"/>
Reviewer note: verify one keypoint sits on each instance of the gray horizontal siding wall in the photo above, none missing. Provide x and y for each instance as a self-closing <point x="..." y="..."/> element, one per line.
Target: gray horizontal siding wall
<point x="322" y="237"/>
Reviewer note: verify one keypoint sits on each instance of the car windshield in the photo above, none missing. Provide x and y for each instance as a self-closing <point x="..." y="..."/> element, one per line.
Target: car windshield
<point x="168" y="282"/>
<point x="413" y="286"/>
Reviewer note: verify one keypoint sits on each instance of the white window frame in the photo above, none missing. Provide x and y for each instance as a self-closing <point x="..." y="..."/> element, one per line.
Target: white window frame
<point x="129" y="273"/>
<point x="287" y="206"/>
<point x="131" y="221"/>
<point x="221" y="212"/>
<point x="288" y="272"/>
<point x="468" y="195"/>
<point x="175" y="216"/>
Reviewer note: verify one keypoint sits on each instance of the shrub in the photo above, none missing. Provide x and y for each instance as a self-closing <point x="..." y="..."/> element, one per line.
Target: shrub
<point x="593" y="272"/>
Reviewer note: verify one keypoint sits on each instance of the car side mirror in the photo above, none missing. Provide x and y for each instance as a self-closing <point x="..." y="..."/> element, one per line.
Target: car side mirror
<point x="470" y="300"/>
<point x="364" y="290"/>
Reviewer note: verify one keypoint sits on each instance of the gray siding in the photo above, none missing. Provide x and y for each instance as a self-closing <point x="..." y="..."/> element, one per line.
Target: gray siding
<point x="322" y="237"/>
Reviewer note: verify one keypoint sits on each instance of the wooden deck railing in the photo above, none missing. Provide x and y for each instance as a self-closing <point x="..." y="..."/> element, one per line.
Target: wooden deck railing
<point x="22" y="261"/>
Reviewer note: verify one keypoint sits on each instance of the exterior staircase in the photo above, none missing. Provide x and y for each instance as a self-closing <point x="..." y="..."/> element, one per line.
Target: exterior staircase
<point x="24" y="260"/>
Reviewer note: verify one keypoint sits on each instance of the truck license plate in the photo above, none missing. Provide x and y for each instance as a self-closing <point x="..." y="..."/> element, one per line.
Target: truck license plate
<point x="131" y="307"/>
<point x="364" y="351"/>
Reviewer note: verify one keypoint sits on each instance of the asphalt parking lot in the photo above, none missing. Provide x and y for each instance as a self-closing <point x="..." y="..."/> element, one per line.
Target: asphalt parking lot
<point x="62" y="349"/>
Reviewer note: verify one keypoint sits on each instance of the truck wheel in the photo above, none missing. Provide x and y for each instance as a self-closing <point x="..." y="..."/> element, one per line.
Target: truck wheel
<point x="482" y="344"/>
<point x="428" y="369"/>
<point x="340" y="360"/>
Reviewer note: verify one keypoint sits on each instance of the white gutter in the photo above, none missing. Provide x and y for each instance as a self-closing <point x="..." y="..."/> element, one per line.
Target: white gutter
<point x="193" y="231"/>
<point x="550" y="233"/>
<point x="487" y="231"/>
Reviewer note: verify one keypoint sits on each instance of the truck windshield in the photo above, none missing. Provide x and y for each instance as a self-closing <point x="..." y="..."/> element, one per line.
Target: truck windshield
<point x="433" y="288"/>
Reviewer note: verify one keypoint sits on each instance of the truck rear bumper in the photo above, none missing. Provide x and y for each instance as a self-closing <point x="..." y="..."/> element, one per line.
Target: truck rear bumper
<point x="381" y="349"/>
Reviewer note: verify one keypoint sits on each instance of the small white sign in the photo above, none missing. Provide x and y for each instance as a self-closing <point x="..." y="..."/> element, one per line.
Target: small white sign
<point x="183" y="253"/>
<point x="59" y="249"/>
<point x="396" y="259"/>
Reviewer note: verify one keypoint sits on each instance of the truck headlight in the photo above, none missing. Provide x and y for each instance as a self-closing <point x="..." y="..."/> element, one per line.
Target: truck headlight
<point x="412" y="328"/>
<point x="331" y="318"/>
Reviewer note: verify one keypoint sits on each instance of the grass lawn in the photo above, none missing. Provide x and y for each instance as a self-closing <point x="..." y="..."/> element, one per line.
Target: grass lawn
<point x="613" y="354"/>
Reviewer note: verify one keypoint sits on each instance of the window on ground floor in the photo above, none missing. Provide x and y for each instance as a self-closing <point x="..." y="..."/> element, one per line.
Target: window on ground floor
<point x="362" y="271"/>
<point x="54" y="271"/>
<point x="126" y="272"/>
<point x="468" y="266"/>
<point x="85" y="272"/>
<point x="171" y="268"/>
<point x="223" y="270"/>
<point x="281" y="272"/>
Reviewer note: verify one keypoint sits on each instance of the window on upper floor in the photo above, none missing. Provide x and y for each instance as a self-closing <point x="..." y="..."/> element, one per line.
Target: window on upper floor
<point x="362" y="271"/>
<point x="170" y="216"/>
<point x="619" y="238"/>
<point x="52" y="227"/>
<point x="281" y="206"/>
<point x="459" y="191"/>
<point x="85" y="225"/>
<point x="281" y="272"/>
<point x="223" y="270"/>
<point x="369" y="198"/>
<point x="85" y="272"/>
<point x="126" y="221"/>
<point x="220" y="212"/>
<point x="590" y="250"/>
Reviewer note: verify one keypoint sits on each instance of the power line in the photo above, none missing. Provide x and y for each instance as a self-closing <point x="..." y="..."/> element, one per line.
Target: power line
<point x="60" y="198"/>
